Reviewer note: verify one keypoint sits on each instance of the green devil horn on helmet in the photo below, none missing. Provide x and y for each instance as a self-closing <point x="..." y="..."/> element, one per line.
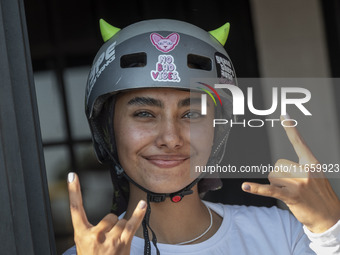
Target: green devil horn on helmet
<point x="221" y="33"/>
<point x="107" y="30"/>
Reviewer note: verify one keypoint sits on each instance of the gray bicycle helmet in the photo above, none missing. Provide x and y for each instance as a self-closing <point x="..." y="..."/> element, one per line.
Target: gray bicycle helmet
<point x="133" y="57"/>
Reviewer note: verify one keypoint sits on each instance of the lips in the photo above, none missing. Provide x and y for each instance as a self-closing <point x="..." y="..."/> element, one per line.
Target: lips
<point x="166" y="161"/>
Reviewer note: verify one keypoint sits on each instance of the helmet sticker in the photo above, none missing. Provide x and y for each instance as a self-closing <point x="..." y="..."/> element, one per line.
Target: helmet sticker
<point x="164" y="44"/>
<point x="224" y="67"/>
<point x="165" y="69"/>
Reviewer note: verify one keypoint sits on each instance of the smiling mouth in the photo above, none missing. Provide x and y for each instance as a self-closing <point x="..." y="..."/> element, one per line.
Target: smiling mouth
<point x="166" y="161"/>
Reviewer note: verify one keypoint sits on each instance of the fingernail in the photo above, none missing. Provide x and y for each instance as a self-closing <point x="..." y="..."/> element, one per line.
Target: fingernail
<point x="286" y="117"/>
<point x="246" y="187"/>
<point x="142" y="204"/>
<point x="70" y="177"/>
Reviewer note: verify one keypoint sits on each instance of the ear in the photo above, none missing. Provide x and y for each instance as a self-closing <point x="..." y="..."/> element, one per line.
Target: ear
<point x="156" y="37"/>
<point x="107" y="30"/>
<point x="173" y="37"/>
<point x="221" y="33"/>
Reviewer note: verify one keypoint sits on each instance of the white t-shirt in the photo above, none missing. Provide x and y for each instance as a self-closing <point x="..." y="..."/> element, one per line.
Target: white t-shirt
<point x="252" y="230"/>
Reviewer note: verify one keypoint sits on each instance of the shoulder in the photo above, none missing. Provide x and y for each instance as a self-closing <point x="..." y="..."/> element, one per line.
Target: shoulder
<point x="269" y="213"/>
<point x="259" y="230"/>
<point x="263" y="221"/>
<point x="243" y="210"/>
<point x="264" y="216"/>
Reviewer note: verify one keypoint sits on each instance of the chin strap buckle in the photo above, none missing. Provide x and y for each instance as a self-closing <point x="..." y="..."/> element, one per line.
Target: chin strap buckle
<point x="177" y="197"/>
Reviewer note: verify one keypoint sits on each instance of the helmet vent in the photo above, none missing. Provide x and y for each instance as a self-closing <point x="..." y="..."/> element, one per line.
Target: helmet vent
<point x="199" y="62"/>
<point x="133" y="60"/>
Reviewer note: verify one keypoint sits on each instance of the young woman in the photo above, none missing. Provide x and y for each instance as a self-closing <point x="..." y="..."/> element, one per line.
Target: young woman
<point x="147" y="123"/>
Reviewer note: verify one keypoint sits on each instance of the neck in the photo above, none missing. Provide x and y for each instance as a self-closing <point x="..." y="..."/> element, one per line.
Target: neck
<point x="176" y="222"/>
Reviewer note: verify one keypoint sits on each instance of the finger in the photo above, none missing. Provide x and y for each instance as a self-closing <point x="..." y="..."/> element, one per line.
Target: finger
<point x="116" y="232"/>
<point x="107" y="223"/>
<point x="134" y="222"/>
<point x="266" y="190"/>
<point x="302" y="150"/>
<point x="79" y="219"/>
<point x="285" y="168"/>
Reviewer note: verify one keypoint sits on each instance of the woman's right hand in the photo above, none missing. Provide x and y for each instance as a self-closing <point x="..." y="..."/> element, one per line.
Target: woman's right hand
<point x="110" y="235"/>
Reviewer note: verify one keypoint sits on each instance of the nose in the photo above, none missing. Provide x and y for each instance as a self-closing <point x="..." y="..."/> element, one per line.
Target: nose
<point x="170" y="135"/>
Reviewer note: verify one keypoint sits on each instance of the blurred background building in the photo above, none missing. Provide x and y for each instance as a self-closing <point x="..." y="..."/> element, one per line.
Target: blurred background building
<point x="268" y="38"/>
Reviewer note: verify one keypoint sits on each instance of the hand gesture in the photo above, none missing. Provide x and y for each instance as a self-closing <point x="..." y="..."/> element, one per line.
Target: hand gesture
<point x="308" y="194"/>
<point x="110" y="235"/>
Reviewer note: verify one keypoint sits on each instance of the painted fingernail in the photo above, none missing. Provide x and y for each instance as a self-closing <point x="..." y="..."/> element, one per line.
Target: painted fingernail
<point x="70" y="177"/>
<point x="286" y="117"/>
<point x="142" y="204"/>
<point x="246" y="187"/>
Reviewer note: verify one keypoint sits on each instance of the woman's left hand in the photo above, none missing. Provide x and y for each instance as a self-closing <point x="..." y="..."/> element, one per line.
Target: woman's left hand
<point x="308" y="194"/>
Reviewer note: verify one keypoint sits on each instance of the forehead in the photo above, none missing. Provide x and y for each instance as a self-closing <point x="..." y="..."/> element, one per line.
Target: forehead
<point x="163" y="94"/>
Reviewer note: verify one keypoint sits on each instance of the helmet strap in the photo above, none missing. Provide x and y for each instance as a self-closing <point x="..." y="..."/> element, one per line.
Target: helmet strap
<point x="175" y="197"/>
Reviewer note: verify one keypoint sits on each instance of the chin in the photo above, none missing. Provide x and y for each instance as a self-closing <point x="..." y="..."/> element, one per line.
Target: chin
<point x="168" y="185"/>
<point x="162" y="180"/>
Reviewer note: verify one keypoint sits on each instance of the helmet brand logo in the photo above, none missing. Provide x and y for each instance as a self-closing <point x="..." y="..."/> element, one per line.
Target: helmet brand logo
<point x="101" y="62"/>
<point x="164" y="44"/>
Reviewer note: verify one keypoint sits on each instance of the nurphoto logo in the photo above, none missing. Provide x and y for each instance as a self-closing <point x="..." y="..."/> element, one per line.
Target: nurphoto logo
<point x="282" y="95"/>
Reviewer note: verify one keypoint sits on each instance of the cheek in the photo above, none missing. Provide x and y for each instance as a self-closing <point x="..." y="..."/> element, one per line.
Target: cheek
<point x="201" y="138"/>
<point x="130" y="140"/>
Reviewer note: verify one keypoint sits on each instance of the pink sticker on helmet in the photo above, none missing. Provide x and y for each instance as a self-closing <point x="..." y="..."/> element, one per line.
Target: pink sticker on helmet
<point x="164" y="44"/>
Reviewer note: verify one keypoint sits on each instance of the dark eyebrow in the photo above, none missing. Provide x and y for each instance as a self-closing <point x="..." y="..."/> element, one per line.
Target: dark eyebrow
<point x="189" y="101"/>
<point x="146" y="101"/>
<point x="149" y="101"/>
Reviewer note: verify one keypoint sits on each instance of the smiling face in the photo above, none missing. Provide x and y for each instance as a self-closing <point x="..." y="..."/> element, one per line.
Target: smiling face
<point x="158" y="133"/>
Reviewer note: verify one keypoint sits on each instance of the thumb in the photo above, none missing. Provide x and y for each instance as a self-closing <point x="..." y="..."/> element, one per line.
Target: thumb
<point x="266" y="190"/>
